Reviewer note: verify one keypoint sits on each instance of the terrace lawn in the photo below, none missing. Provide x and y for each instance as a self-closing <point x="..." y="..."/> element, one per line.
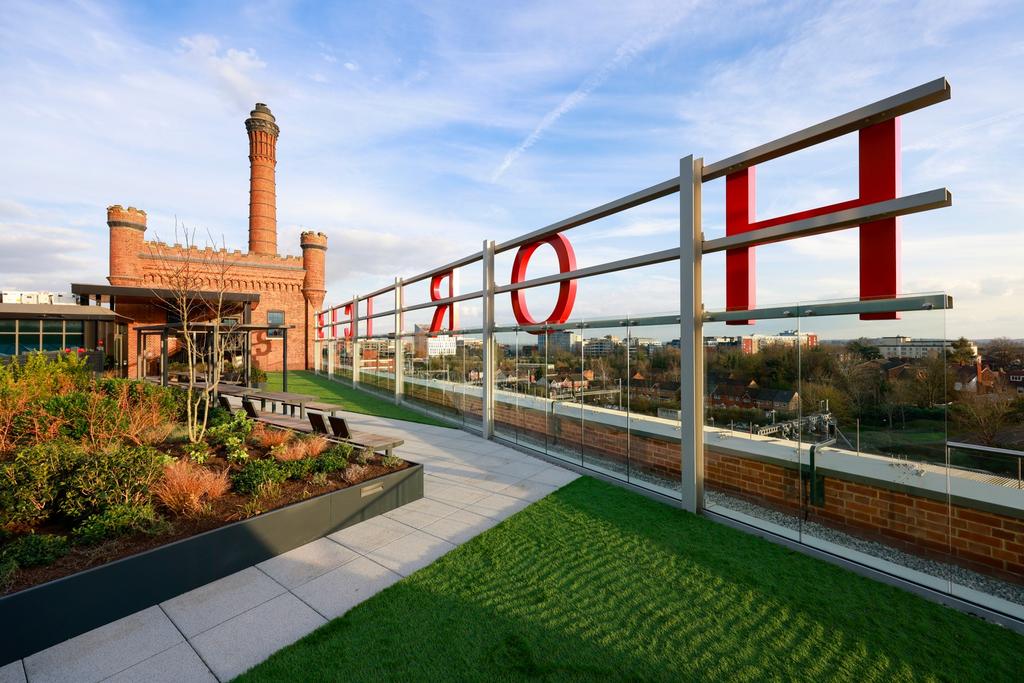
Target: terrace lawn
<point x="353" y="400"/>
<point x="597" y="583"/>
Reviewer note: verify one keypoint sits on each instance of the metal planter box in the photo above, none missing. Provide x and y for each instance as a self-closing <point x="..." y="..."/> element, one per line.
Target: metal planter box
<point x="47" y="614"/>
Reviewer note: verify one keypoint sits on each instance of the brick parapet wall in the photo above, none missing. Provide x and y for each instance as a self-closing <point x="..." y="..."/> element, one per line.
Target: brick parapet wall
<point x="895" y="513"/>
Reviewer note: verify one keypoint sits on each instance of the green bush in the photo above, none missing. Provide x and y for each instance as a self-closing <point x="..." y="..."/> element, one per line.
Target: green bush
<point x="118" y="520"/>
<point x="256" y="474"/>
<point x="333" y="459"/>
<point x="237" y="427"/>
<point x="118" y="476"/>
<point x="71" y="411"/>
<point x="35" y="549"/>
<point x="30" y="484"/>
<point x="298" y="469"/>
<point x="234" y="448"/>
<point x="197" y="452"/>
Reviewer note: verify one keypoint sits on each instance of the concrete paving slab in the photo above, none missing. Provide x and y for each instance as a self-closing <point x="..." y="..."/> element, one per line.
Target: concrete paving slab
<point x="106" y="650"/>
<point x="180" y="664"/>
<point x="498" y="506"/>
<point x="460" y="527"/>
<point x="555" y="476"/>
<point x="12" y="673"/>
<point x="307" y="562"/>
<point x="371" y="534"/>
<point x="244" y="641"/>
<point x="220" y="600"/>
<point x="413" y="552"/>
<point x="529" y="490"/>
<point x="341" y="589"/>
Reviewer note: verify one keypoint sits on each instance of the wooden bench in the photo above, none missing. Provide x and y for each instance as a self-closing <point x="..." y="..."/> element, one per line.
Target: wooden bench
<point x="340" y="431"/>
<point x="324" y="407"/>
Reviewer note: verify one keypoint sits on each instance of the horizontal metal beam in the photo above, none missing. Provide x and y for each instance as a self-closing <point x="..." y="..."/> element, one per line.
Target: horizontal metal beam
<point x="648" y="321"/>
<point x="985" y="449"/>
<point x="830" y="222"/>
<point x="662" y="189"/>
<point x="918" y="302"/>
<point x="458" y="263"/>
<point x="882" y="110"/>
<point x="382" y="290"/>
<point x="590" y="271"/>
<point x="443" y="302"/>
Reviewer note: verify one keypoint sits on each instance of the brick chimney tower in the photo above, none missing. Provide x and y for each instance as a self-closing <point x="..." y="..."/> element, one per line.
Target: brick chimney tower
<point x="314" y="255"/>
<point x="127" y="238"/>
<point x="263" y="134"/>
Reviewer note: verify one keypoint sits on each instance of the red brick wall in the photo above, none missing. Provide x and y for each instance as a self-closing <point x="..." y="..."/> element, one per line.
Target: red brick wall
<point x="984" y="541"/>
<point x="277" y="279"/>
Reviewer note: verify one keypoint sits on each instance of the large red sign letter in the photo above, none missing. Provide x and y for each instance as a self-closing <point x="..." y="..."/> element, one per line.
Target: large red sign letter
<point x="879" y="157"/>
<point x="566" y="288"/>
<point x="435" y="294"/>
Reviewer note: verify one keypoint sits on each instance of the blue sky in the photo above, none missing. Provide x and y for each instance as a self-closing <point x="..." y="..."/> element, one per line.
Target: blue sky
<point x="411" y="132"/>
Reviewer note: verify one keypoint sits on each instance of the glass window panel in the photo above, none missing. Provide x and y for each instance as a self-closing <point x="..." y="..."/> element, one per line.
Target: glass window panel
<point x="73" y="341"/>
<point x="53" y="326"/>
<point x="53" y="342"/>
<point x="28" y="343"/>
<point x="28" y="326"/>
<point x="7" y="345"/>
<point x="275" y="318"/>
<point x="8" y="326"/>
<point x="74" y="326"/>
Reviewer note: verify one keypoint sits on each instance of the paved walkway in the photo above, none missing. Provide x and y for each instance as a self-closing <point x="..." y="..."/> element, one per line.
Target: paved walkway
<point x="219" y="630"/>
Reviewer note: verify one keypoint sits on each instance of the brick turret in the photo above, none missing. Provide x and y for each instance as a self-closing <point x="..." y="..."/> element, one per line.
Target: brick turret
<point x="127" y="238"/>
<point x="263" y="133"/>
<point x="314" y="255"/>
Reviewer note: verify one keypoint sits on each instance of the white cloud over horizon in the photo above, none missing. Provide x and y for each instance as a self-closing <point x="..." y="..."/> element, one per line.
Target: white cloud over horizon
<point x="404" y="129"/>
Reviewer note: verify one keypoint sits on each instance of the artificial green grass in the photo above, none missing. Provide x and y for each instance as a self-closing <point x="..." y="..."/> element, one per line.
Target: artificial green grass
<point x="597" y="583"/>
<point x="353" y="400"/>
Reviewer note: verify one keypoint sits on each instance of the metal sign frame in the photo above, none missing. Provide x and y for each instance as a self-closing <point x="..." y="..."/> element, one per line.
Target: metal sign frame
<point x="875" y="211"/>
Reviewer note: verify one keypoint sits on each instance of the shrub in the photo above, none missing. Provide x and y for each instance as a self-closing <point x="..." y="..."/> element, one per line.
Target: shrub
<point x="118" y="520"/>
<point x="197" y="452"/>
<point x="268" y="437"/>
<point x="117" y="476"/>
<point x="238" y="426"/>
<point x="234" y="448"/>
<point x="30" y="483"/>
<point x="186" y="488"/>
<point x="292" y="450"/>
<point x="297" y="469"/>
<point x="158" y="434"/>
<point x="35" y="549"/>
<point x="256" y="474"/>
<point x="8" y="568"/>
<point x="391" y="461"/>
<point x="334" y="459"/>
<point x="363" y="456"/>
<point x="314" y="445"/>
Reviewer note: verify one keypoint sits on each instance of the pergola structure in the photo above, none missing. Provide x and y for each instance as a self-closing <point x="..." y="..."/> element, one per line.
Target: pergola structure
<point x="166" y="331"/>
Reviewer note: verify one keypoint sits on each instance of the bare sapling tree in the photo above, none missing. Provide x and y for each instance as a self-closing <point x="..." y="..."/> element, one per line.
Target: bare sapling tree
<point x="192" y="283"/>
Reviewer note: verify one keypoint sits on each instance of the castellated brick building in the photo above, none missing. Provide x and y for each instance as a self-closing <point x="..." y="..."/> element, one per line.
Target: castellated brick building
<point x="288" y="289"/>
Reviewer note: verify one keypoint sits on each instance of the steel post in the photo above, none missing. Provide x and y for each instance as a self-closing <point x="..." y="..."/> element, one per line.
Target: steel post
<point x="691" y="333"/>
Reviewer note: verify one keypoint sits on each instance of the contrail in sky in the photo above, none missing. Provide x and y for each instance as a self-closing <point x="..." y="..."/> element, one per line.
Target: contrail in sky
<point x="622" y="57"/>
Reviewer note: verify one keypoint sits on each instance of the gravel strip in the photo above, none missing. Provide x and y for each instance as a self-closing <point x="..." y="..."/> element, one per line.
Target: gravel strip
<point x="957" y="574"/>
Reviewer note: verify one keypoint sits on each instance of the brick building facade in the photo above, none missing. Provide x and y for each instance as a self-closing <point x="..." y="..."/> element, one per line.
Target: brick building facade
<point x="290" y="288"/>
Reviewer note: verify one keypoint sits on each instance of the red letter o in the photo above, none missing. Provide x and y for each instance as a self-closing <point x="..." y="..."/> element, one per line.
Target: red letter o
<point x="566" y="288"/>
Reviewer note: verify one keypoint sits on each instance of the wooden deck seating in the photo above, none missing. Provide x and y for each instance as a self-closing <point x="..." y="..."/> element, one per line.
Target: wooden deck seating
<point x="341" y="432"/>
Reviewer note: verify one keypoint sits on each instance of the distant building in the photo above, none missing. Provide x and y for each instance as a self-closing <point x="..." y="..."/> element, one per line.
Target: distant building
<point x="648" y="344"/>
<point x="563" y="341"/>
<point x="602" y="346"/>
<point x="425" y="345"/>
<point x="756" y="343"/>
<point x="1015" y="380"/>
<point x="909" y="348"/>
